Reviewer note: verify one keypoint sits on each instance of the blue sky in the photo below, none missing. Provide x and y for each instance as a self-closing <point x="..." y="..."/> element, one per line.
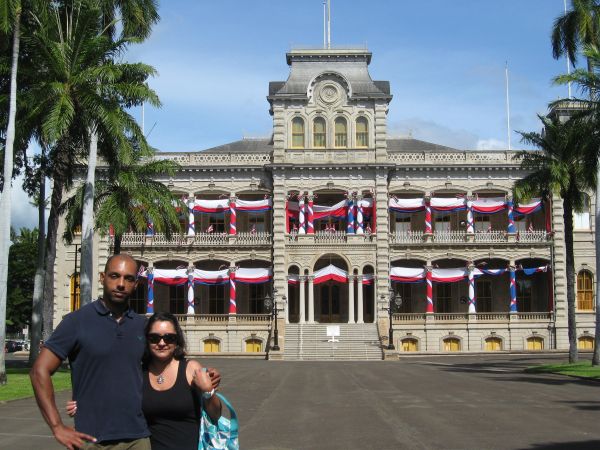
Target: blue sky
<point x="444" y="59"/>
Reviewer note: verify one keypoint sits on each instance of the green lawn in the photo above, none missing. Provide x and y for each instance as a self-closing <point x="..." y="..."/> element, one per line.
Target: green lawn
<point x="580" y="369"/>
<point x="19" y="386"/>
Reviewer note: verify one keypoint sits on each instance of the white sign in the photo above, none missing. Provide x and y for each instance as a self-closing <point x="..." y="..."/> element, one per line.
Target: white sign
<point x="332" y="332"/>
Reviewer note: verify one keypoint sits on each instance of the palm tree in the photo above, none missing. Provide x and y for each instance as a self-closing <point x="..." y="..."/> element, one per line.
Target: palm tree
<point x="564" y="166"/>
<point x="127" y="197"/>
<point x="137" y="16"/>
<point x="10" y="18"/>
<point x="589" y="82"/>
<point x="81" y="88"/>
<point x="574" y="31"/>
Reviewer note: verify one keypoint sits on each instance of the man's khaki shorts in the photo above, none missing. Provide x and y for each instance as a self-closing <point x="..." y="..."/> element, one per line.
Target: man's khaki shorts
<point x="134" y="444"/>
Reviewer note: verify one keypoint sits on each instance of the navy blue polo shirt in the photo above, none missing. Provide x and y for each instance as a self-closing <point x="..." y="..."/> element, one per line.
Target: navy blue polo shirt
<point x="106" y="372"/>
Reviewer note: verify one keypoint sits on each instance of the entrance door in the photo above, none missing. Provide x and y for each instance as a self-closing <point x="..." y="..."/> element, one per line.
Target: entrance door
<point x="330" y="303"/>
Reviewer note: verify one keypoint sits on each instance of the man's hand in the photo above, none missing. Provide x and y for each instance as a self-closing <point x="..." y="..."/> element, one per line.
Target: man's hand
<point x="215" y="377"/>
<point x="70" y="438"/>
<point x="71" y="408"/>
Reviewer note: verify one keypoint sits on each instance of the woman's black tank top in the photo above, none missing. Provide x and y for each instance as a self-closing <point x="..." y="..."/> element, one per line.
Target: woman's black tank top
<point x="173" y="415"/>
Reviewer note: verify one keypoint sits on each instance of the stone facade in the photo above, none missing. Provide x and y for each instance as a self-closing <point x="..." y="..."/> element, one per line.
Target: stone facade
<point x="330" y="144"/>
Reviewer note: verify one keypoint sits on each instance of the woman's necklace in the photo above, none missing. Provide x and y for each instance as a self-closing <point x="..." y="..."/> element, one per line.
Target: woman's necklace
<point x="160" y="379"/>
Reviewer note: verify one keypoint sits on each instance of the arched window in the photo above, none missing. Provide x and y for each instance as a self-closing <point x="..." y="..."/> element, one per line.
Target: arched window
<point x="493" y="344"/>
<point x="253" y="346"/>
<point x="582" y="218"/>
<point x="341" y="133"/>
<point x="452" y="345"/>
<point x="585" y="291"/>
<point x="298" y="132"/>
<point x="362" y="132"/>
<point x="585" y="343"/>
<point x="75" y="286"/>
<point x="211" y="346"/>
<point x="410" y="345"/>
<point x="319" y="133"/>
<point x="535" y="343"/>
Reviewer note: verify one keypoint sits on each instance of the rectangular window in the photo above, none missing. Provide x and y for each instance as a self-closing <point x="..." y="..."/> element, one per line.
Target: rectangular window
<point x="442" y="222"/>
<point x="403" y="224"/>
<point x="524" y="295"/>
<point x="483" y="301"/>
<point x="178" y="299"/>
<point x="256" y="222"/>
<point x="404" y="291"/>
<point x="256" y="298"/>
<point x="443" y="298"/>
<point x="216" y="299"/>
<point x="217" y="221"/>
<point x="482" y="223"/>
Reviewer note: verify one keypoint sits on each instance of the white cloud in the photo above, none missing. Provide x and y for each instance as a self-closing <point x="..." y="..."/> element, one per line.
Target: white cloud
<point x="430" y="131"/>
<point x="23" y="213"/>
<point x="491" y="144"/>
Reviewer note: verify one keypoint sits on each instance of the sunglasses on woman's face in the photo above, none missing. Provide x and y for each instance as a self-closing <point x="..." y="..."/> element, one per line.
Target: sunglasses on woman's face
<point x="155" y="338"/>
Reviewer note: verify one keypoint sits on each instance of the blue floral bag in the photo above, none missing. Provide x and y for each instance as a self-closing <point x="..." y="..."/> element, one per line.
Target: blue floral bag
<point x="220" y="436"/>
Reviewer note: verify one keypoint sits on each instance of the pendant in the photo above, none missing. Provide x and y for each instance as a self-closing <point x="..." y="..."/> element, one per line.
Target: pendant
<point x="160" y="379"/>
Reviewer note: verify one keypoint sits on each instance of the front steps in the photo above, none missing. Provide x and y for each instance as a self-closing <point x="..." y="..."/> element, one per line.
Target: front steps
<point x="309" y="342"/>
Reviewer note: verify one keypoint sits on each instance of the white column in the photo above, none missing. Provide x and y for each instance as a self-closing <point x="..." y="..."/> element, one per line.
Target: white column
<point x="359" y="306"/>
<point x="351" y="298"/>
<point x="302" y="299"/>
<point x="287" y="303"/>
<point x="311" y="300"/>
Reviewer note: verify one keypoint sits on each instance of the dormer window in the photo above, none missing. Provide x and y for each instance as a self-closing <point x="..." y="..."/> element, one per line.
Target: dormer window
<point x="319" y="133"/>
<point x="362" y="132"/>
<point x="298" y="132"/>
<point x="341" y="133"/>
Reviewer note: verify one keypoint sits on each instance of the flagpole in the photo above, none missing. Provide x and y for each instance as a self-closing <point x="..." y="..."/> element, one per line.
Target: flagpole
<point x="328" y="24"/>
<point x="507" y="106"/>
<point x="324" y="24"/>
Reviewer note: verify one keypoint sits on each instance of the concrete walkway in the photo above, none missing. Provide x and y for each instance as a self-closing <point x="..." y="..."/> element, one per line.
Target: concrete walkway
<point x="453" y="402"/>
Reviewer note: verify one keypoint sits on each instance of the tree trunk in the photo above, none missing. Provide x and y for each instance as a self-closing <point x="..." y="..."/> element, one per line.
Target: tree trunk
<point x="570" y="262"/>
<point x="5" y="200"/>
<point x="35" y="332"/>
<point x="596" y="357"/>
<point x="117" y="247"/>
<point x="87" y="224"/>
<point x="48" y="307"/>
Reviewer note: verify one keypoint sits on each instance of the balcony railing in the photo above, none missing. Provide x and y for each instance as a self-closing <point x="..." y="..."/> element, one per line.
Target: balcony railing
<point x="449" y="236"/>
<point x="407" y="237"/>
<point x="223" y="318"/>
<point x="502" y="317"/>
<point x="199" y="239"/>
<point x="532" y="236"/>
<point x="491" y="236"/>
<point x="330" y="237"/>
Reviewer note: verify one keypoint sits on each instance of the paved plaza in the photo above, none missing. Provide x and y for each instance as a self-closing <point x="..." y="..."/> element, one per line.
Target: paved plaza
<point x="453" y="402"/>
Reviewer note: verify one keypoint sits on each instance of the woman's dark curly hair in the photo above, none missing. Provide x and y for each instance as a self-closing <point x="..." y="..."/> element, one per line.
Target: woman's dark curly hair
<point x="180" y="343"/>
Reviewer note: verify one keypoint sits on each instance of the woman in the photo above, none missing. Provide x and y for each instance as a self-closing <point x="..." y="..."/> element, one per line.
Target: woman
<point x="173" y="387"/>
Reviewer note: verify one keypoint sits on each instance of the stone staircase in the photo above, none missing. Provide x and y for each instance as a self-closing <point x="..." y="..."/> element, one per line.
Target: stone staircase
<point x="359" y="342"/>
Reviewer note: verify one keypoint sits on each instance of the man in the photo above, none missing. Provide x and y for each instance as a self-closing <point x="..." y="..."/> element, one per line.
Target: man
<point x="104" y="342"/>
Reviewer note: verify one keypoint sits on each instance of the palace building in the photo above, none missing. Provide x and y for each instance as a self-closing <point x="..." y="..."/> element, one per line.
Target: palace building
<point x="331" y="222"/>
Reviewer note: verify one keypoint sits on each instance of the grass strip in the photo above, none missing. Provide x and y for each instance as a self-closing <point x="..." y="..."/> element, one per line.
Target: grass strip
<point x="19" y="386"/>
<point x="580" y="369"/>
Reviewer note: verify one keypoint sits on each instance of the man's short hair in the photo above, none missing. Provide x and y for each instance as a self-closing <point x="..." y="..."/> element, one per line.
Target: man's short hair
<point x="122" y="256"/>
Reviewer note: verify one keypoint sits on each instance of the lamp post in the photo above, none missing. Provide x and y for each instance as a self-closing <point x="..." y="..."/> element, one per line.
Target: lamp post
<point x="394" y="302"/>
<point x="271" y="304"/>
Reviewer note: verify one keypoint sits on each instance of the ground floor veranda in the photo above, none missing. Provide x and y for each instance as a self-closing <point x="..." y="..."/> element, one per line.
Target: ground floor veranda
<point x="331" y="293"/>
